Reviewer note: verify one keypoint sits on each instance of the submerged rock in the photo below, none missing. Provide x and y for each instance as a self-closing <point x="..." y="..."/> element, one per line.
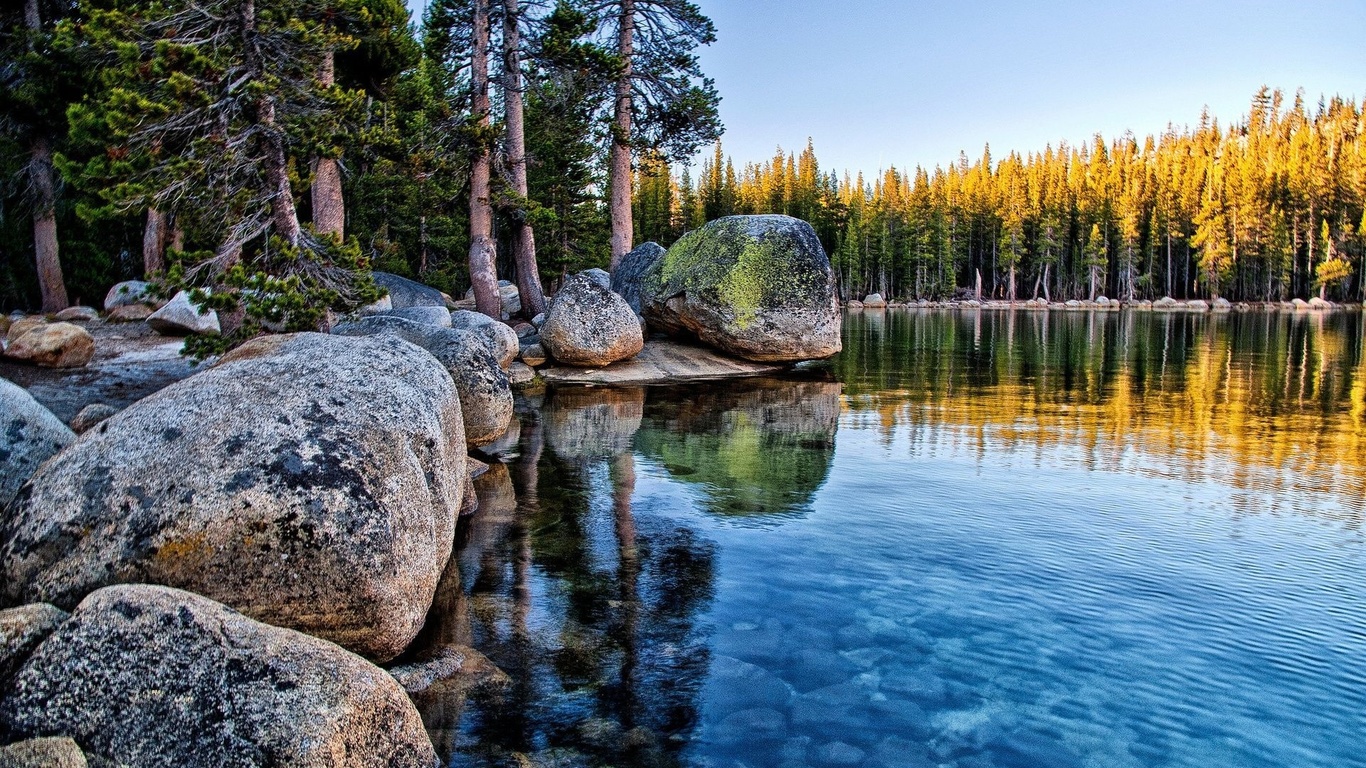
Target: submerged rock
<point x="590" y="326"/>
<point x="309" y="481"/>
<point x="181" y="316"/>
<point x="483" y="388"/>
<point x="758" y="287"/>
<point x="29" y="436"/>
<point x="151" y="676"/>
<point x="55" y="345"/>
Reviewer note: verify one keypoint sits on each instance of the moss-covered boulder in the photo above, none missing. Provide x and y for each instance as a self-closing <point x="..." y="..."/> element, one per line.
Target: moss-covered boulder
<point x="758" y="287"/>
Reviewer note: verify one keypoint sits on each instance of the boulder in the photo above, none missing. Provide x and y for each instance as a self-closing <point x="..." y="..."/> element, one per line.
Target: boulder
<point x="129" y="313"/>
<point x="309" y="481"/>
<point x="77" y="315"/>
<point x="630" y="273"/>
<point x="1297" y="304"/>
<point x="129" y="293"/>
<point x="22" y="326"/>
<point x="149" y="676"/>
<point x="508" y="296"/>
<point x="590" y="326"/>
<point x="1221" y="304"/>
<point x="21" y="630"/>
<point x="480" y="383"/>
<point x="1317" y="303"/>
<point x="378" y="307"/>
<point x="1197" y="305"/>
<point x="91" y="415"/>
<point x="439" y="316"/>
<point x="181" y="316"/>
<point x="854" y="304"/>
<point x="758" y="287"/>
<point x="29" y="436"/>
<point x="874" y="301"/>
<point x="538" y="321"/>
<point x="45" y="752"/>
<point x="502" y="340"/>
<point x="1166" y="302"/>
<point x="55" y="345"/>
<point x="520" y="373"/>
<point x="404" y="293"/>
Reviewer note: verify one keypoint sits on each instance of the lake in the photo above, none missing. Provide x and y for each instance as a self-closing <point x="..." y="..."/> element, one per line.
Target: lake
<point x="975" y="538"/>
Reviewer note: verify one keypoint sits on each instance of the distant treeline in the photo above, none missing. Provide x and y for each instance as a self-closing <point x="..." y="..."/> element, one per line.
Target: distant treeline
<point x="1269" y="208"/>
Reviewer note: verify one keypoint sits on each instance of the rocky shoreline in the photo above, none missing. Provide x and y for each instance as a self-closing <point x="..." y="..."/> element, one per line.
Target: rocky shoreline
<point x="875" y="302"/>
<point x="250" y="561"/>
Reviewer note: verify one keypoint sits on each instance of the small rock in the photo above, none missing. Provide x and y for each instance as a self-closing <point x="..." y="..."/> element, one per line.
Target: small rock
<point x="78" y="315"/>
<point x="181" y="316"/>
<point x="32" y="435"/>
<point x="43" y="752"/>
<point x="160" y="678"/>
<point x="127" y="294"/>
<point x="501" y="339"/>
<point x="129" y="313"/>
<point x="520" y="373"/>
<point x="854" y="304"/>
<point x="538" y="320"/>
<point x="524" y="330"/>
<point x="598" y="276"/>
<point x="590" y="325"/>
<point x="21" y="630"/>
<point x="533" y="355"/>
<point x="427" y="315"/>
<point x="508" y="296"/>
<point x="58" y="345"/>
<point x="455" y="666"/>
<point x="91" y="415"/>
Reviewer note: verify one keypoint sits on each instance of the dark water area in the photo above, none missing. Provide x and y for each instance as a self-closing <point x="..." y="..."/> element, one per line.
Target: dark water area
<point x="974" y="539"/>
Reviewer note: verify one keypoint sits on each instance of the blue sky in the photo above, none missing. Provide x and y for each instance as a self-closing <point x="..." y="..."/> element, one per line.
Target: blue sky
<point x="881" y="82"/>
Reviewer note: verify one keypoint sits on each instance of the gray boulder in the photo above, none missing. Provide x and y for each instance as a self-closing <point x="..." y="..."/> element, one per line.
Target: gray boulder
<point x="874" y="301"/>
<point x="309" y="481"/>
<point x="29" y="436"/>
<point x="480" y="382"/>
<point x="404" y="293"/>
<point x="508" y="296"/>
<point x="21" y="630"/>
<point x="598" y="276"/>
<point x="181" y="316"/>
<point x="45" y="752"/>
<point x="53" y="345"/>
<point x="757" y="287"/>
<point x="589" y="325"/>
<point x="150" y="676"/>
<point x="631" y="271"/>
<point x="77" y="315"/>
<point x="502" y="340"/>
<point x="439" y="316"/>
<point x="128" y="293"/>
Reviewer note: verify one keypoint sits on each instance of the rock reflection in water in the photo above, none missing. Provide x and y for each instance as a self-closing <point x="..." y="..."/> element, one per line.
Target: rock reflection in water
<point x="754" y="447"/>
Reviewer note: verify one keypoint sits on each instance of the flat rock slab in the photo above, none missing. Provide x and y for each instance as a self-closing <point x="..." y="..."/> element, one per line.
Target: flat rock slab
<point x="662" y="362"/>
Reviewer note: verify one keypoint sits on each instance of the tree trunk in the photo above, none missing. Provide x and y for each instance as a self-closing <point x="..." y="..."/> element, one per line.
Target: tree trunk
<point x="154" y="243"/>
<point x="483" y="253"/>
<point x="45" y="246"/>
<point x="620" y="171"/>
<point x="329" y="209"/>
<point x="524" y="237"/>
<point x="274" y="162"/>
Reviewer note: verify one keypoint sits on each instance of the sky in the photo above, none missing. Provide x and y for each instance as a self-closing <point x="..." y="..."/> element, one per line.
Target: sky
<point x="876" y="83"/>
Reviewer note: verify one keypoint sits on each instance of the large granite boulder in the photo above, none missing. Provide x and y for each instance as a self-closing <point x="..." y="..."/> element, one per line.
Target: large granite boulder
<point x="405" y="293"/>
<point x="129" y="293"/>
<point x="481" y="384"/>
<point x="589" y="325"/>
<point x="149" y="676"/>
<point x="29" y="436"/>
<point x="44" y="752"/>
<point x="630" y="272"/>
<point x="21" y="326"/>
<point x="502" y="340"/>
<point x="757" y="287"/>
<point x="181" y="317"/>
<point x="54" y="345"/>
<point x="426" y="315"/>
<point x="21" y="630"/>
<point x="309" y="481"/>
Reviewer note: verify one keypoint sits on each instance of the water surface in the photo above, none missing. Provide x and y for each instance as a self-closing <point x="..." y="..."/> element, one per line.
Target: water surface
<point x="975" y="539"/>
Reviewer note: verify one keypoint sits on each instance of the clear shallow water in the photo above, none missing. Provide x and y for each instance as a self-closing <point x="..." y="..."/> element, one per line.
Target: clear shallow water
<point x="985" y="539"/>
